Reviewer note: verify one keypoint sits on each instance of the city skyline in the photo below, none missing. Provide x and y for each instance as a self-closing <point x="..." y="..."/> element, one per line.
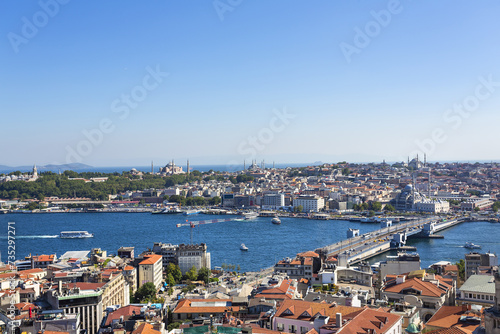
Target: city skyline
<point x="123" y="83"/>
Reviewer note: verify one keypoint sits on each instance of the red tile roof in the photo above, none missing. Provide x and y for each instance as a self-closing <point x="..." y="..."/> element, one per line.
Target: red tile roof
<point x="151" y="259"/>
<point x="370" y="320"/>
<point x="185" y="306"/>
<point x="126" y="312"/>
<point x="145" y="328"/>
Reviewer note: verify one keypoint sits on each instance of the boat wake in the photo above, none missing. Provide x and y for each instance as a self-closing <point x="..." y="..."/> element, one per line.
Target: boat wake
<point x="31" y="236"/>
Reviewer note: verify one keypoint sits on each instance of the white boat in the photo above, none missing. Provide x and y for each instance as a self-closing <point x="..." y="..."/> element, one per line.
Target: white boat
<point x="243" y="247"/>
<point x="75" y="234"/>
<point x="171" y="210"/>
<point x="276" y="221"/>
<point x="471" y="245"/>
<point x="191" y="212"/>
<point x="250" y="215"/>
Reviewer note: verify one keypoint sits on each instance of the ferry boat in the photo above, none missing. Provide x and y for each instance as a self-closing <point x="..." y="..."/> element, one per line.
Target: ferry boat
<point x="250" y="215"/>
<point x="243" y="247"/>
<point x="191" y="212"/>
<point x="172" y="210"/>
<point x="276" y="221"/>
<point x="76" y="234"/>
<point x="471" y="245"/>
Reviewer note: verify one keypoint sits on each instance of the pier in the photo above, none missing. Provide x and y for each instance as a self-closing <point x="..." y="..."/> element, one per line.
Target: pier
<point x="362" y="247"/>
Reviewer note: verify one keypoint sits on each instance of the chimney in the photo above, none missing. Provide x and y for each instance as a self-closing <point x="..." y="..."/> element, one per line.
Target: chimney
<point x="400" y="279"/>
<point x="338" y="320"/>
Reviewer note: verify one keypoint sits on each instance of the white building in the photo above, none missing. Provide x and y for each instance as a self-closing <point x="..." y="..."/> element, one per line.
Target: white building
<point x="433" y="206"/>
<point x="193" y="255"/>
<point x="309" y="203"/>
<point x="273" y="201"/>
<point x="151" y="270"/>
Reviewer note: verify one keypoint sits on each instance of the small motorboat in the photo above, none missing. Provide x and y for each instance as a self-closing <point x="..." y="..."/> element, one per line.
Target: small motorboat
<point x="276" y="221"/>
<point x="243" y="247"/>
<point x="471" y="245"/>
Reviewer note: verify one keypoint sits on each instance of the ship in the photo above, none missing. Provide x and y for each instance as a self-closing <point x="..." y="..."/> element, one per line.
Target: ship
<point x="75" y="234"/>
<point x="276" y="221"/>
<point x="250" y="215"/>
<point x="171" y="211"/>
<point x="191" y="212"/>
<point x="471" y="245"/>
<point x="243" y="247"/>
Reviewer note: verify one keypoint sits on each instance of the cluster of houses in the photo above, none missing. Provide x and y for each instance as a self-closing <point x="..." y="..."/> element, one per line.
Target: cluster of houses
<point x="90" y="292"/>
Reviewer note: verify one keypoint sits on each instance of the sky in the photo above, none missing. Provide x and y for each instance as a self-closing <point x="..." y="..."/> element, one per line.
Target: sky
<point x="118" y="83"/>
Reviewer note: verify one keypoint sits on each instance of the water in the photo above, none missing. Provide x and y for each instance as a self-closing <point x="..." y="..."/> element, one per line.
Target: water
<point x="267" y="243"/>
<point x="146" y="169"/>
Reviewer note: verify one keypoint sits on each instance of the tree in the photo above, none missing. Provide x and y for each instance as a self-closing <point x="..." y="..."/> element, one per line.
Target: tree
<point x="461" y="268"/>
<point x="192" y="274"/>
<point x="204" y="274"/>
<point x="175" y="271"/>
<point x="170" y="280"/>
<point x="146" y="292"/>
<point x="496" y="206"/>
<point x="376" y="206"/>
<point x="346" y="171"/>
<point x="389" y="207"/>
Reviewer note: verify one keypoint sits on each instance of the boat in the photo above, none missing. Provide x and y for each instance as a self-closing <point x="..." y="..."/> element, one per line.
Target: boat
<point x="243" y="247"/>
<point x="75" y="234"/>
<point x="276" y="221"/>
<point x="471" y="245"/>
<point x="191" y="212"/>
<point x="250" y="215"/>
<point x="172" y="210"/>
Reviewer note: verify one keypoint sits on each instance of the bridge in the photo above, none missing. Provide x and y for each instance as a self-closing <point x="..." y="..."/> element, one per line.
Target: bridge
<point x="362" y="247"/>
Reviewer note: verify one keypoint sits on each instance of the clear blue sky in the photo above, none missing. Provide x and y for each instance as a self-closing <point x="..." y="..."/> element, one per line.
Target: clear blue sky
<point x="232" y="68"/>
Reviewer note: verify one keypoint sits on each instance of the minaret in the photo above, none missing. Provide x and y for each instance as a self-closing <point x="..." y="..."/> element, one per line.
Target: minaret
<point x="188" y="168"/>
<point x="425" y="160"/>
<point x="244" y="165"/>
<point x="152" y="167"/>
<point x="35" y="172"/>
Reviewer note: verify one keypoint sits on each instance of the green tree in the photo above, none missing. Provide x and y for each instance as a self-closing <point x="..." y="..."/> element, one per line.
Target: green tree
<point x="389" y="207"/>
<point x="346" y="171"/>
<point x="146" y="292"/>
<point x="170" y="280"/>
<point x="175" y="271"/>
<point x="376" y="206"/>
<point x="204" y="275"/>
<point x="461" y="269"/>
<point x="496" y="206"/>
<point x="192" y="274"/>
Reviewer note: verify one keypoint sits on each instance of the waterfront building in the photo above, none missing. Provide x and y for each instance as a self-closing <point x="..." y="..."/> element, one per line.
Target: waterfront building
<point x="479" y="203"/>
<point x="303" y="266"/>
<point x="151" y="270"/>
<point x="309" y="203"/>
<point x="433" y="206"/>
<point x="273" y="201"/>
<point x="193" y="255"/>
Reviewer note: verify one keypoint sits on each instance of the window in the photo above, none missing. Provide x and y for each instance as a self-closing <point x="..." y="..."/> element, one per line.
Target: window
<point x="279" y="327"/>
<point x="303" y="330"/>
<point x="291" y="328"/>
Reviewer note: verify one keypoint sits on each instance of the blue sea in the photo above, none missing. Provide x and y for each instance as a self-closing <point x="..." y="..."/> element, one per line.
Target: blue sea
<point x="267" y="243"/>
<point x="120" y="169"/>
